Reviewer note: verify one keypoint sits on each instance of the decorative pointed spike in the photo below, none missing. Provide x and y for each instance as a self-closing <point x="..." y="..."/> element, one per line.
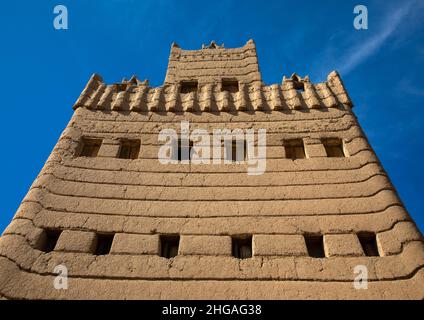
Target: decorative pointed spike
<point x="133" y="80"/>
<point x="295" y="77"/>
<point x="333" y="74"/>
<point x="97" y="77"/>
<point x="207" y="97"/>
<point x="106" y="98"/>
<point x="224" y="105"/>
<point x="276" y="97"/>
<point x="241" y="98"/>
<point x="337" y="87"/>
<point x="89" y="89"/>
<point x="311" y="98"/>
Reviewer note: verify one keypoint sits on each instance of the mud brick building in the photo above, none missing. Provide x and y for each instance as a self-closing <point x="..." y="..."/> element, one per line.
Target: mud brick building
<point x="127" y="226"/>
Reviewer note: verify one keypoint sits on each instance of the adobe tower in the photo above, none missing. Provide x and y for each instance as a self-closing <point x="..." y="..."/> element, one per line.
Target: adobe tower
<point x="106" y="219"/>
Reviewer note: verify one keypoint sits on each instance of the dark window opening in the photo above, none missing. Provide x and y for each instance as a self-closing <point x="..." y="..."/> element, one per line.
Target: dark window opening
<point x="104" y="243"/>
<point x="299" y="86"/>
<point x="230" y="85"/>
<point x="369" y="244"/>
<point x="238" y="150"/>
<point x="333" y="147"/>
<point x="184" y="151"/>
<point x="294" y="149"/>
<point x="169" y="246"/>
<point x="315" y="246"/>
<point x="51" y="237"/>
<point x="90" y="147"/>
<point x="242" y="247"/>
<point x="188" y="86"/>
<point x="129" y="149"/>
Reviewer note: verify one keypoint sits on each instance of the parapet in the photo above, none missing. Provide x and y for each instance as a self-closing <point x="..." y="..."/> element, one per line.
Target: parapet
<point x="294" y="92"/>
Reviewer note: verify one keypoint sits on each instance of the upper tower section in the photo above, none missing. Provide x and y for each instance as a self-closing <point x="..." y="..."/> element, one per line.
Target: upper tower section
<point x="214" y="79"/>
<point x="214" y="64"/>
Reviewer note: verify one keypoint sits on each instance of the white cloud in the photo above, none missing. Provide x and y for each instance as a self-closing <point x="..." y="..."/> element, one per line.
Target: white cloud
<point x="406" y="86"/>
<point x="362" y="50"/>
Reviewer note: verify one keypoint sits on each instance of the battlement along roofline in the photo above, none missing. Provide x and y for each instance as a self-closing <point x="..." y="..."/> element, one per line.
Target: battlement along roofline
<point x="295" y="92"/>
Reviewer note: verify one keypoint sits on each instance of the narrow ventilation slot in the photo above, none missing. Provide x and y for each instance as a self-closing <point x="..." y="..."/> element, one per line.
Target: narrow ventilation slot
<point x="51" y="237"/>
<point x="184" y="150"/>
<point x="315" y="246"/>
<point x="104" y="244"/>
<point x="169" y="246"/>
<point x="237" y="148"/>
<point x="242" y="247"/>
<point x="369" y="244"/>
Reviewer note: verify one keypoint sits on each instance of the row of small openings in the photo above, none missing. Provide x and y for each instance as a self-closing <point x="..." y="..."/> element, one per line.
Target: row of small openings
<point x="103" y="241"/>
<point x="295" y="148"/>
<point x="238" y="150"/>
<point x="229" y="85"/>
<point x="89" y="147"/>
<point x="169" y="243"/>
<point x="315" y="245"/>
<point x="241" y="245"/>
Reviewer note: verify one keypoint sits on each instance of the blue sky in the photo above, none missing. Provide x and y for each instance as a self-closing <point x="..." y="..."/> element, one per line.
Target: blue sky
<point x="44" y="70"/>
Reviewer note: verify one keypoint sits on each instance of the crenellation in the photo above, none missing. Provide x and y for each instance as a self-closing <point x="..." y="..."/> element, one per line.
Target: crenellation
<point x="109" y="97"/>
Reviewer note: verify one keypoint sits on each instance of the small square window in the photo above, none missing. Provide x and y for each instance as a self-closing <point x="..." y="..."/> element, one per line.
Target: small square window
<point x="238" y="150"/>
<point x="369" y="244"/>
<point x="333" y="147"/>
<point x="315" y="246"/>
<point x="50" y="240"/>
<point x="90" y="147"/>
<point x="294" y="149"/>
<point x="184" y="152"/>
<point x="230" y="85"/>
<point x="299" y="86"/>
<point x="104" y="243"/>
<point x="169" y="246"/>
<point x="242" y="247"/>
<point x="129" y="149"/>
<point x="188" y="86"/>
